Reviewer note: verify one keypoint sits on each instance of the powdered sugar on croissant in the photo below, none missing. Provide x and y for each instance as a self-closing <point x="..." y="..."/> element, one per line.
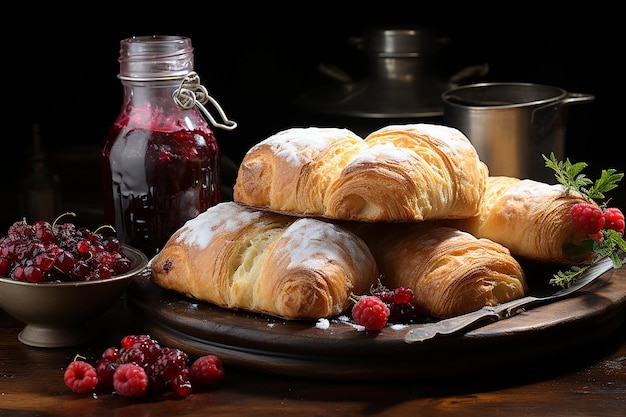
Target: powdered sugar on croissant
<point x="240" y="258"/>
<point x="409" y="172"/>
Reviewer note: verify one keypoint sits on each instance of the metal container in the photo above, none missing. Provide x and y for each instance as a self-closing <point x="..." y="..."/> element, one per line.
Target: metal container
<point x="513" y="124"/>
<point x="401" y="85"/>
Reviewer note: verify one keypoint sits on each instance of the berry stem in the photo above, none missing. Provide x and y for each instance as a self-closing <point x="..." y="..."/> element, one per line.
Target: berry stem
<point x="67" y="213"/>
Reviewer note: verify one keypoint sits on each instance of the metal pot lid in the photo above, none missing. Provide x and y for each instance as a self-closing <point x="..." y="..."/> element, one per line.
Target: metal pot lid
<point x="401" y="82"/>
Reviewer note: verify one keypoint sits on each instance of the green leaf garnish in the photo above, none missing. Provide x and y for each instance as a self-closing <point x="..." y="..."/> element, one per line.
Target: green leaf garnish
<point x="571" y="176"/>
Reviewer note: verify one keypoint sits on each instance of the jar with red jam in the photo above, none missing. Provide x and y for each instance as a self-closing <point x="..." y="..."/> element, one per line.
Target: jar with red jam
<point x="160" y="158"/>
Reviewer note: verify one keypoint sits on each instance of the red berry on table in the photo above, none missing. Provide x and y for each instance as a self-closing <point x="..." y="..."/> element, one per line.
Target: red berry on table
<point x="81" y="377"/>
<point x="130" y="380"/>
<point x="614" y="219"/>
<point x="370" y="312"/>
<point x="105" y="369"/>
<point x="587" y="217"/>
<point x="134" y="340"/>
<point x="180" y="383"/>
<point x="142" y="365"/>
<point x="206" y="370"/>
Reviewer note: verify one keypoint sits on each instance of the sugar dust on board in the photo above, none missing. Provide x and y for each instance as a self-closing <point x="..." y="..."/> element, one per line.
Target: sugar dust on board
<point x="159" y="180"/>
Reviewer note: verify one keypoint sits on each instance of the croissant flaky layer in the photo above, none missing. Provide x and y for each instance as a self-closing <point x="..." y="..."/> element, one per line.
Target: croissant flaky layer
<point x="451" y="272"/>
<point x="532" y="219"/>
<point x="240" y="258"/>
<point x="409" y="172"/>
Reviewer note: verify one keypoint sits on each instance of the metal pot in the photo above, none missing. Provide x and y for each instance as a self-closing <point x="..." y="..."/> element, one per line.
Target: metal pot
<point x="401" y="83"/>
<point x="512" y="124"/>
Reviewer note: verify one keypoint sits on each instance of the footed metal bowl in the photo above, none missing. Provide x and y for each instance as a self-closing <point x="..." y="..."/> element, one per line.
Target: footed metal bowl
<point x="58" y="314"/>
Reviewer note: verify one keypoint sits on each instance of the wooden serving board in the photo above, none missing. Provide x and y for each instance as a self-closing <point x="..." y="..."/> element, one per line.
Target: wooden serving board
<point x="534" y="337"/>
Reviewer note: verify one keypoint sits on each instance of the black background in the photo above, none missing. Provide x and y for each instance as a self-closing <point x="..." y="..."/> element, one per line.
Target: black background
<point x="60" y="69"/>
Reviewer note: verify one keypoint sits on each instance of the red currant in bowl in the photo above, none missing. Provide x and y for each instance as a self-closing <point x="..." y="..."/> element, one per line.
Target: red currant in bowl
<point x="59" y="312"/>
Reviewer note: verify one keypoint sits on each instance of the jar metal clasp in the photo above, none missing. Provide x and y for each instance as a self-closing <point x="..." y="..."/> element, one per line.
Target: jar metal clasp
<point x="191" y="93"/>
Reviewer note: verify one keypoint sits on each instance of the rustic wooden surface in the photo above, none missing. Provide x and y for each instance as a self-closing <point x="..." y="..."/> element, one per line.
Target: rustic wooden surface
<point x="573" y="382"/>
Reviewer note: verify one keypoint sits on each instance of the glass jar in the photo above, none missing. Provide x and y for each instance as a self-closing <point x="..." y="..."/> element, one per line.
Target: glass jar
<point x="160" y="158"/>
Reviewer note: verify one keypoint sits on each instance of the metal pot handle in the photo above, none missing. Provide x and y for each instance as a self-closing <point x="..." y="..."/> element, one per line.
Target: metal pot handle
<point x="570" y="98"/>
<point x="577" y="98"/>
<point x="543" y="117"/>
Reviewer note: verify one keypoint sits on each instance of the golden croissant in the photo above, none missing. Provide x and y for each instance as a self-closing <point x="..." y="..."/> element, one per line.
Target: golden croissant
<point x="529" y="217"/>
<point x="450" y="271"/>
<point x="240" y="258"/>
<point x="408" y="172"/>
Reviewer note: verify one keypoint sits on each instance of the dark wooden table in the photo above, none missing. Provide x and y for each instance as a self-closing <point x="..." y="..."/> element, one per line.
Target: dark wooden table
<point x="587" y="383"/>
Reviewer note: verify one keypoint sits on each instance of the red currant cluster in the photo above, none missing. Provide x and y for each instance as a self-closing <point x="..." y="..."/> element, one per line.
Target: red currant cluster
<point x="399" y="300"/>
<point x="141" y="365"/>
<point x="383" y="305"/>
<point x="42" y="252"/>
<point x="591" y="219"/>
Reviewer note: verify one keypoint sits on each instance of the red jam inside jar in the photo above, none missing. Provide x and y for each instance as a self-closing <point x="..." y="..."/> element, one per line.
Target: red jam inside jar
<point x="159" y="180"/>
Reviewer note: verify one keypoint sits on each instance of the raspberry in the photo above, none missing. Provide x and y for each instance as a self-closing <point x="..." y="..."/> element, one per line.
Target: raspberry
<point x="130" y="380"/>
<point x="587" y="217"/>
<point x="370" y="312"/>
<point x="614" y="219"/>
<point x="206" y="370"/>
<point x="81" y="377"/>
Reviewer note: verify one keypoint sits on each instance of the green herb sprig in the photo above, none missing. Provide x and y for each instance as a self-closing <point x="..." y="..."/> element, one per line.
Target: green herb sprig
<point x="571" y="176"/>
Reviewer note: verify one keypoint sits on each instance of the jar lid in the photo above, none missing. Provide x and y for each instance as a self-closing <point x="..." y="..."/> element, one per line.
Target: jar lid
<point x="157" y="57"/>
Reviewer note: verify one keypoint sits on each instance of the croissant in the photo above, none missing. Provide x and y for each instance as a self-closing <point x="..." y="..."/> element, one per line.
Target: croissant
<point x="529" y="217"/>
<point x="409" y="172"/>
<point x="264" y="262"/>
<point x="450" y="271"/>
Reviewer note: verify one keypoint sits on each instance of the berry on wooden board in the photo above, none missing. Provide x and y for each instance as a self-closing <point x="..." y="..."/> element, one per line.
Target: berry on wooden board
<point x="382" y="306"/>
<point x="370" y="312"/>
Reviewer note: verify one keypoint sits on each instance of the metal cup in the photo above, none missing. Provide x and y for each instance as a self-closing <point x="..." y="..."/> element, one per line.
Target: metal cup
<point x="512" y="125"/>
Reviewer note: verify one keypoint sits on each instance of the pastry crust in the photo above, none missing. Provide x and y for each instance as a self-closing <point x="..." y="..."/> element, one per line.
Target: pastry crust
<point x="529" y="217"/>
<point x="450" y="271"/>
<point x="240" y="258"/>
<point x="409" y="172"/>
